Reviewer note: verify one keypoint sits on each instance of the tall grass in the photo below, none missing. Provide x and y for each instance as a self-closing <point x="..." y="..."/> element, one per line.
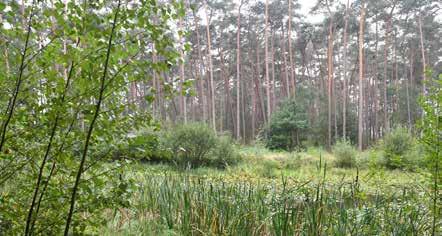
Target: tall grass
<point x="182" y="204"/>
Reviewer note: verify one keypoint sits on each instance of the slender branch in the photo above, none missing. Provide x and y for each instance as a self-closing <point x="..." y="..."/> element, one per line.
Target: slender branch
<point x="43" y="191"/>
<point x="12" y="101"/>
<point x="48" y="149"/>
<point x="91" y="126"/>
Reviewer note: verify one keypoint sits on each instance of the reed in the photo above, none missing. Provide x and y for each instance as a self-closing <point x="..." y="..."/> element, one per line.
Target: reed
<point x="184" y="204"/>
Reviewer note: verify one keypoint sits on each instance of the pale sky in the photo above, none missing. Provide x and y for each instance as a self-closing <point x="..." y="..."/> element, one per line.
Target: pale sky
<point x="306" y="6"/>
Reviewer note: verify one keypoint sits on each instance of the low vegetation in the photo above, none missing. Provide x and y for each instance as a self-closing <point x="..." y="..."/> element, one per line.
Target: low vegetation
<point x="185" y="146"/>
<point x="274" y="193"/>
<point x="345" y="154"/>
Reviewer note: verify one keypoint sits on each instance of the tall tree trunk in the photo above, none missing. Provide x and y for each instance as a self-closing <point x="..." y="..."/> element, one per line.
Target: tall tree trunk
<point x="243" y="107"/>
<point x="387" y="37"/>
<point x="344" y="96"/>
<point x="424" y="63"/>
<point x="266" y="59"/>
<point x="286" y="74"/>
<point x="272" y="88"/>
<point x="227" y="101"/>
<point x="330" y="81"/>
<point x="409" y="83"/>
<point x="291" y="58"/>
<point x="238" y="72"/>
<point x="385" y="105"/>
<point x="182" y="97"/>
<point x="258" y="86"/>
<point x="361" y="78"/>
<point x="395" y="105"/>
<point x="209" y="55"/>
<point x="375" y="84"/>
<point x="253" y="112"/>
<point x="202" y="96"/>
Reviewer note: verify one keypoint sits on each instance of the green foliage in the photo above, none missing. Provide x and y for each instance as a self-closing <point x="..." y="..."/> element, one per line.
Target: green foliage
<point x="345" y="154"/>
<point x="431" y="139"/>
<point x="396" y="146"/>
<point x="52" y="77"/>
<point x="224" y="154"/>
<point x="147" y="145"/>
<point x="196" y="144"/>
<point x="431" y="125"/>
<point x="191" y="144"/>
<point x="286" y="127"/>
<point x="186" y="145"/>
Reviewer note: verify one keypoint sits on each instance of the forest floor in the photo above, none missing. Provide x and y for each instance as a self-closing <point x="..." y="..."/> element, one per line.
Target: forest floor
<point x="177" y="202"/>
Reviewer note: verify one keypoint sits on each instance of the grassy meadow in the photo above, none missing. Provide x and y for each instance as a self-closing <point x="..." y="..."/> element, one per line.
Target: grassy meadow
<point x="275" y="193"/>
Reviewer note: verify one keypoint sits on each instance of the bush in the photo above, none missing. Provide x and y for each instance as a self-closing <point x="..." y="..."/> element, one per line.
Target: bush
<point x="396" y="146"/>
<point x="224" y="154"/>
<point x="189" y="146"/>
<point x="194" y="145"/>
<point x="345" y="154"/>
<point x="146" y="145"/>
<point x="286" y="127"/>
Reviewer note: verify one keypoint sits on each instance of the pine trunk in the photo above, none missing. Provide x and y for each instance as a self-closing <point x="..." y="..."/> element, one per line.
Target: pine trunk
<point x="209" y="55"/>
<point x="361" y="79"/>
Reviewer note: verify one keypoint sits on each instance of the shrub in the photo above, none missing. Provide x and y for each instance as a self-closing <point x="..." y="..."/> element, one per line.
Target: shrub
<point x="146" y="145"/>
<point x="191" y="144"/>
<point x="395" y="146"/>
<point x="194" y="145"/>
<point x="345" y="154"/>
<point x="224" y="154"/>
<point x="286" y="126"/>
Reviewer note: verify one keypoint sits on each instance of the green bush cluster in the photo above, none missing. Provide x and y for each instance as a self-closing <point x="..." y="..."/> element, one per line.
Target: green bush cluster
<point x="287" y="126"/>
<point x="146" y="145"/>
<point x="345" y="154"/>
<point x="186" y="145"/>
<point x="399" y="150"/>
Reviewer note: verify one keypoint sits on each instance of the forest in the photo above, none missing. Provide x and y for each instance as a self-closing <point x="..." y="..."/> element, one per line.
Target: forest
<point x="220" y="117"/>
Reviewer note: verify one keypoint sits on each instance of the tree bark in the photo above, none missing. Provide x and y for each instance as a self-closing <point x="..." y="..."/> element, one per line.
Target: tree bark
<point x="344" y="96"/>
<point x="387" y="37"/>
<point x="209" y="55"/>
<point x="266" y="59"/>
<point x="424" y="63"/>
<point x="258" y="86"/>
<point x="292" y="61"/>
<point x="182" y="97"/>
<point x="361" y="78"/>
<point x="330" y="81"/>
<point x="202" y="96"/>
<point x="409" y="84"/>
<point x="238" y="72"/>
<point x="286" y="74"/>
<point x="272" y="88"/>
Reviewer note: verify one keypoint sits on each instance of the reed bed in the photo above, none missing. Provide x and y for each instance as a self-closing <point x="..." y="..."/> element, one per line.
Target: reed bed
<point x="182" y="204"/>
